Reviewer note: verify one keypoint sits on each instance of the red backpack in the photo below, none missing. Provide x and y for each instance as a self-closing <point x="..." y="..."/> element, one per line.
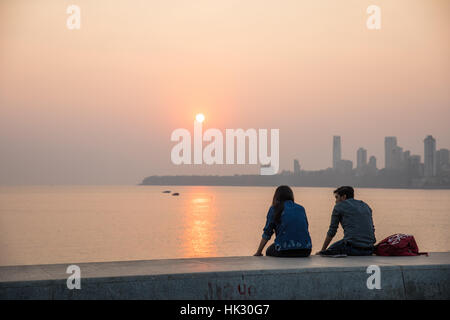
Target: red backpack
<point x="398" y="245"/>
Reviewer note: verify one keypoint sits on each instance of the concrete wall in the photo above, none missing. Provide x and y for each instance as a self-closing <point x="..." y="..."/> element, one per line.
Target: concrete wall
<point x="236" y="278"/>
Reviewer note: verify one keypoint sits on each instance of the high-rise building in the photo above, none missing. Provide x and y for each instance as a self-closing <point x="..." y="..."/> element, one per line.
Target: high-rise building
<point x="390" y="151"/>
<point x="361" y="158"/>
<point x="372" y="162"/>
<point x="404" y="161"/>
<point x="344" y="166"/>
<point x="415" y="166"/>
<point x="429" y="156"/>
<point x="442" y="160"/>
<point x="336" y="151"/>
<point x="372" y="165"/>
<point x="296" y="166"/>
<point x="405" y="156"/>
<point x="396" y="157"/>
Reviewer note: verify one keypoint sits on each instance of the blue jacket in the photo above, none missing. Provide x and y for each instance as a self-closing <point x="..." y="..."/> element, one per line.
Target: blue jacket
<point x="292" y="232"/>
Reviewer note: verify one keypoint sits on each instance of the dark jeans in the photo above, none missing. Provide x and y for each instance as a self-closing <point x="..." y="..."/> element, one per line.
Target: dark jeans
<point x="344" y="247"/>
<point x="271" y="251"/>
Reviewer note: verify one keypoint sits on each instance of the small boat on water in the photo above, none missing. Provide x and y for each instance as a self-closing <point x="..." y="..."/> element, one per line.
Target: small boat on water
<point x="175" y="194"/>
<point x="166" y="191"/>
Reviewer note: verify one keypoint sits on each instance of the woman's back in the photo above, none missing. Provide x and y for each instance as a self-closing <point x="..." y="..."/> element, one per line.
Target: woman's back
<point x="292" y="230"/>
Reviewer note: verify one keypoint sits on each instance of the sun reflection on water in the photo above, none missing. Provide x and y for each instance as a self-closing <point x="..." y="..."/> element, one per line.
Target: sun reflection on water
<point x="199" y="238"/>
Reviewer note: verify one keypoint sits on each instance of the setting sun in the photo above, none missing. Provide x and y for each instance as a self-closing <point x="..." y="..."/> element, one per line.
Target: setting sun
<point x="200" y="117"/>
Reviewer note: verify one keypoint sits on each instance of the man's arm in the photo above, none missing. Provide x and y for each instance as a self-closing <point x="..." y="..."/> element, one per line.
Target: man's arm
<point x="326" y="243"/>
<point x="332" y="230"/>
<point x="262" y="244"/>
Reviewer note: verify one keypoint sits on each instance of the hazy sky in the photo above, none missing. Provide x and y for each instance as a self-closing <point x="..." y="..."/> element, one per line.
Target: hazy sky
<point x="98" y="105"/>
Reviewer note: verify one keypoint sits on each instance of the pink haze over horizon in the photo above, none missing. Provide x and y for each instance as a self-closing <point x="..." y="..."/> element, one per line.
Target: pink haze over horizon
<point x="98" y="105"/>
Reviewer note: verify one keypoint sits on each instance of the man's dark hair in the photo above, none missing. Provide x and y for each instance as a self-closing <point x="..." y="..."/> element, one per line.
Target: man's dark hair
<point x="345" y="190"/>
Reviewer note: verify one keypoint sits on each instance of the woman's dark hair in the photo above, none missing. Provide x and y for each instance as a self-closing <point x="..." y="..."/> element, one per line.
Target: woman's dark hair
<point x="282" y="194"/>
<point x="345" y="190"/>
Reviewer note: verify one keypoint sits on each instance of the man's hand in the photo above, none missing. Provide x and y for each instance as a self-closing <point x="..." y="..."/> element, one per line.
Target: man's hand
<point x="326" y="243"/>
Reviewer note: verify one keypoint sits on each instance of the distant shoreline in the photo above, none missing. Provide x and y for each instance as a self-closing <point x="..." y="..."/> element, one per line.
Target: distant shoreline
<point x="302" y="186"/>
<point x="314" y="179"/>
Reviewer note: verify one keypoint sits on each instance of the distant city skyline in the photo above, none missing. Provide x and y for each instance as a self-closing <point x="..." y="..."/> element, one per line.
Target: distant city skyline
<point x="395" y="158"/>
<point x="435" y="160"/>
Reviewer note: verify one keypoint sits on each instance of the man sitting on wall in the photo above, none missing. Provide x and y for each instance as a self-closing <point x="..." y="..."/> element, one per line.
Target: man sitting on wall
<point x="355" y="216"/>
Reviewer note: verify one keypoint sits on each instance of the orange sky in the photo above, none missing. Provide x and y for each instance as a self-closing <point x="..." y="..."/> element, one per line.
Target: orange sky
<point x="98" y="105"/>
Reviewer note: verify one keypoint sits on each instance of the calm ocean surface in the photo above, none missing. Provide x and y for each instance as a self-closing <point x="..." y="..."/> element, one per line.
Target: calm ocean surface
<point x="67" y="224"/>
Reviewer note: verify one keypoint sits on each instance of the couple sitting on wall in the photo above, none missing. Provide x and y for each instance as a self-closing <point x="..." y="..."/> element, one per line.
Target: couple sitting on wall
<point x="288" y="220"/>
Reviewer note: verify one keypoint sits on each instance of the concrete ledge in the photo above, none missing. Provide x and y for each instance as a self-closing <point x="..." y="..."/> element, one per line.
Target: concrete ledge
<point x="262" y="278"/>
